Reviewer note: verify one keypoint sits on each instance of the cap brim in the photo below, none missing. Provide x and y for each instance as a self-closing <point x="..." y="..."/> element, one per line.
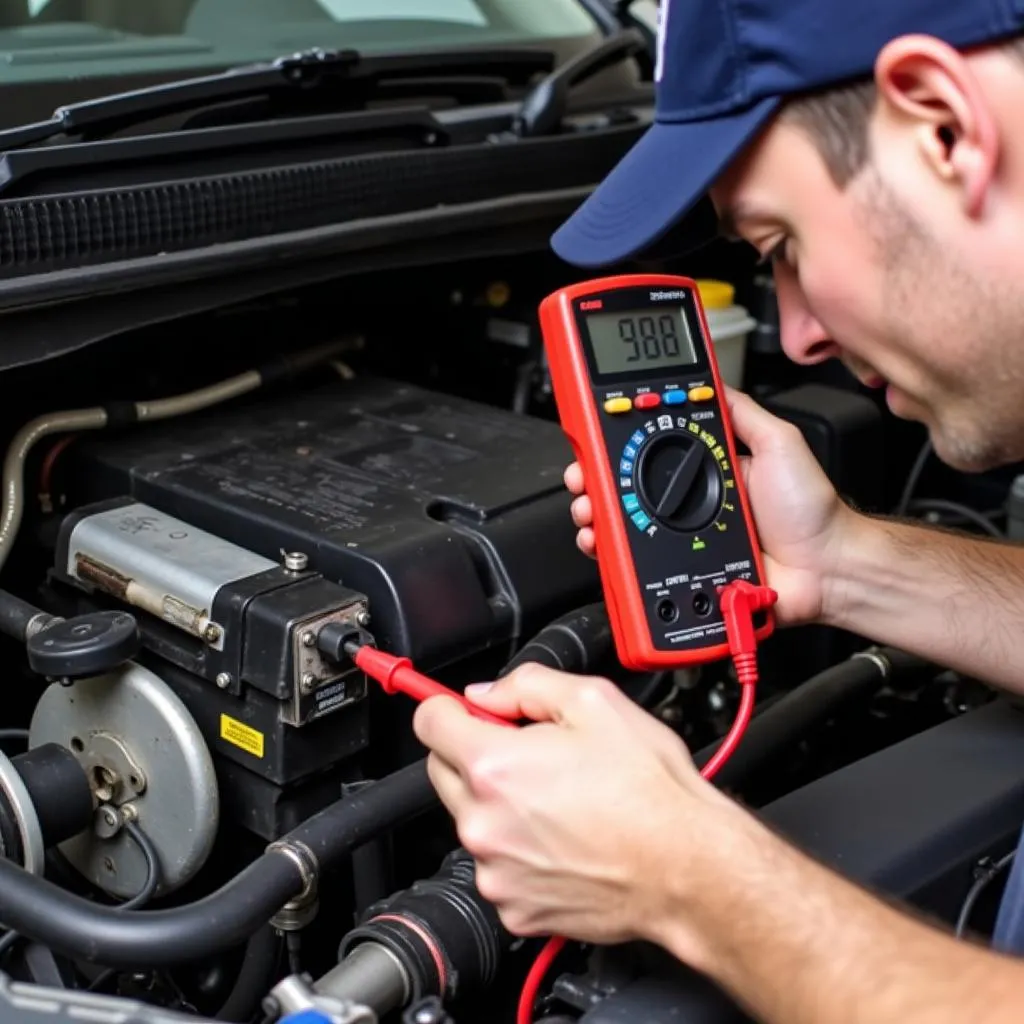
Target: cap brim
<point x="654" y="185"/>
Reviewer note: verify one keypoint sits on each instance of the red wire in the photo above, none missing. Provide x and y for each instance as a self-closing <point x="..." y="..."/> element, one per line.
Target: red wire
<point x="732" y="740"/>
<point x="554" y="945"/>
<point x="531" y="986"/>
<point x="46" y="471"/>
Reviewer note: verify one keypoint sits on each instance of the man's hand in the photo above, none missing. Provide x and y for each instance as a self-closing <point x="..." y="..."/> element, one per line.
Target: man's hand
<point x="582" y="823"/>
<point x="800" y="519"/>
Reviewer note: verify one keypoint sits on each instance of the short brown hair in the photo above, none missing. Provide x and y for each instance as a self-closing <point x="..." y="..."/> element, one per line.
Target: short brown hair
<point x="837" y="120"/>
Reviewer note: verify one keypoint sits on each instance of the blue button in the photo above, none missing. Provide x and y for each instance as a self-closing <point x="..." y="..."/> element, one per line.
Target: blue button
<point x="674" y="397"/>
<point x="629" y="451"/>
<point x="631" y="501"/>
<point x="625" y="466"/>
<point x="641" y="520"/>
<point x="638" y="437"/>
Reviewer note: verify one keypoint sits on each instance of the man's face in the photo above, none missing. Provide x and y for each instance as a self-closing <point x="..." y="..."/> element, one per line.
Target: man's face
<point x="892" y="277"/>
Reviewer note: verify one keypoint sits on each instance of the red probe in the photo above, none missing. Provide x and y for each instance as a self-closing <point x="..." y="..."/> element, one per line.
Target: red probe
<point x="396" y="675"/>
<point x="740" y="601"/>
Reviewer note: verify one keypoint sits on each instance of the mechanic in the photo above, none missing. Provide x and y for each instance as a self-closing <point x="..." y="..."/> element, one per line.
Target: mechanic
<point x="875" y="153"/>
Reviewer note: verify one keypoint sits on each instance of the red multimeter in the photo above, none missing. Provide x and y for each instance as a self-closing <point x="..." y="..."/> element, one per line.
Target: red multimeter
<point x="639" y="395"/>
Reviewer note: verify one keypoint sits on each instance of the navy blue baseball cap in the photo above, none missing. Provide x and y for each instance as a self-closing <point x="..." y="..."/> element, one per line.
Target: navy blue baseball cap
<point x="723" y="69"/>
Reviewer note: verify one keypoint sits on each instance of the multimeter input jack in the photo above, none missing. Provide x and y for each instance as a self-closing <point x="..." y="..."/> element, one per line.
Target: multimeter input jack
<point x="702" y="603"/>
<point x="667" y="610"/>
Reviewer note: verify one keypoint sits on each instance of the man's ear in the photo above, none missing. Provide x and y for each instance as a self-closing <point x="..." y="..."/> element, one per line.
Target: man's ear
<point x="930" y="88"/>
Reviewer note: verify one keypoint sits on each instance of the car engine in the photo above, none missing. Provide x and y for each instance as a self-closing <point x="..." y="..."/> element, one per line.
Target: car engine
<point x="208" y="813"/>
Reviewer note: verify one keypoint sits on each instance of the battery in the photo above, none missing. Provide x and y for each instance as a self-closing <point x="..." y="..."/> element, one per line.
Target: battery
<point x="451" y="516"/>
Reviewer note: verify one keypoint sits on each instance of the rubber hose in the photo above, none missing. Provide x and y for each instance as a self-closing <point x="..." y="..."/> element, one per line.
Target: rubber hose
<point x="776" y="729"/>
<point x="16" y="614"/>
<point x="254" y="977"/>
<point x="76" y="927"/>
<point x="577" y="642"/>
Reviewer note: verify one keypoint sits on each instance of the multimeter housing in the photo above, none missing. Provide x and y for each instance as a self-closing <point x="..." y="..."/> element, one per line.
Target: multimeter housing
<point x="640" y="398"/>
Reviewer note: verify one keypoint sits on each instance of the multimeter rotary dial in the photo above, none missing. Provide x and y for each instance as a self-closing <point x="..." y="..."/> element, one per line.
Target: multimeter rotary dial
<point x="678" y="481"/>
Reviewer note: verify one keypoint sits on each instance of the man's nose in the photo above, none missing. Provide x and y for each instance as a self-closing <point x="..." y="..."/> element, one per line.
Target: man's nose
<point x="804" y="339"/>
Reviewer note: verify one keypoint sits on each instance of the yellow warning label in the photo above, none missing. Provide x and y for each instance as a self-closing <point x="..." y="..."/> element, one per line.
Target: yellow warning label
<point x="241" y="735"/>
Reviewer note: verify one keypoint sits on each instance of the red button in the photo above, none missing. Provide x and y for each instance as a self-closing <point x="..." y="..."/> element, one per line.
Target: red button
<point x="648" y="401"/>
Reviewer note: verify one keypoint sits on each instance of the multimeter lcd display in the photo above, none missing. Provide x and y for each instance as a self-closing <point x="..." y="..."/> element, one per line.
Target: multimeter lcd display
<point x="641" y="339"/>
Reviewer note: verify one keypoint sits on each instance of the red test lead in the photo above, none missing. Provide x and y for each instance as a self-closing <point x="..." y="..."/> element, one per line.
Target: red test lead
<point x="740" y="601"/>
<point x="396" y="675"/>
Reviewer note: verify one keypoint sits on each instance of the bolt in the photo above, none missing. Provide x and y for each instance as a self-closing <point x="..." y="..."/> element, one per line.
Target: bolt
<point x="308" y="681"/>
<point x="363" y="618"/>
<point x="223" y="680"/>
<point x="110" y="817"/>
<point x="129" y="812"/>
<point x="296" y="561"/>
<point x="212" y="633"/>
<point x="105" y="782"/>
<point x="309" y="638"/>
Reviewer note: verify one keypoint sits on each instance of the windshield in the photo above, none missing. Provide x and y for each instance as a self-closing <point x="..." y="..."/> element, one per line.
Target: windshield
<point x="71" y="39"/>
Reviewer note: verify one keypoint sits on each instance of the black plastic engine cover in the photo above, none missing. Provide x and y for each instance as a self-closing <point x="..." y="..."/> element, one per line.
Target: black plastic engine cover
<point x="449" y="515"/>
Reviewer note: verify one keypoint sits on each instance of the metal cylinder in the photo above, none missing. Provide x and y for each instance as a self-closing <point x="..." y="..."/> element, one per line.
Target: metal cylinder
<point x="59" y="789"/>
<point x="371" y="975"/>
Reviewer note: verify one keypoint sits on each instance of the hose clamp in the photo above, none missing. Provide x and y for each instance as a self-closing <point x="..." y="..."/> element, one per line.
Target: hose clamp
<point x="877" y="659"/>
<point x="300" y="910"/>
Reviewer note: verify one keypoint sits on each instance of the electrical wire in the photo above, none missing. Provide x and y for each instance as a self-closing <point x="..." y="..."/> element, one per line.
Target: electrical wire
<point x="149" y="887"/>
<point x="955" y="508"/>
<point x="13" y="734"/>
<point x="912" y="479"/>
<point x="47" y="468"/>
<point x="555" y="945"/>
<point x="981" y="883"/>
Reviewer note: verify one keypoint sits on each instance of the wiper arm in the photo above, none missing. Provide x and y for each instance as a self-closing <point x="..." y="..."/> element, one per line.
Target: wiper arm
<point x="308" y="71"/>
<point x="545" y="107"/>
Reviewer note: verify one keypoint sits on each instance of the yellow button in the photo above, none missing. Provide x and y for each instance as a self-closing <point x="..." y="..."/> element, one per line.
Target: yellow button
<point x="618" y="405"/>
<point x="701" y="394"/>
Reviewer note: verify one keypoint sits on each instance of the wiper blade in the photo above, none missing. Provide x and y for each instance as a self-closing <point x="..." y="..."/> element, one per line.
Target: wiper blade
<point x="308" y="71"/>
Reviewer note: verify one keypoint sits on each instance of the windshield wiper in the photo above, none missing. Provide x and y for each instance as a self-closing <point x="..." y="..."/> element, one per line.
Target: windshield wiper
<point x="544" y="109"/>
<point x="306" y="73"/>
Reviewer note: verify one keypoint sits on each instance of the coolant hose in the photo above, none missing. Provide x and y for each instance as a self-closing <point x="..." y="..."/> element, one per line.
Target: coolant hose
<point x="255" y="977"/>
<point x="579" y="641"/>
<point x="78" y="928"/>
<point x="789" y="720"/>
<point x="17" y="616"/>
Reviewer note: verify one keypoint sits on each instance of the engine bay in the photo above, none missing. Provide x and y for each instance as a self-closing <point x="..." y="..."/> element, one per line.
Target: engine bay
<point x="207" y="812"/>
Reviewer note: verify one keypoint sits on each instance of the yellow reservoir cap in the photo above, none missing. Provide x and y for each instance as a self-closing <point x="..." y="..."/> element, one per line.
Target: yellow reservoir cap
<point x="716" y="294"/>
